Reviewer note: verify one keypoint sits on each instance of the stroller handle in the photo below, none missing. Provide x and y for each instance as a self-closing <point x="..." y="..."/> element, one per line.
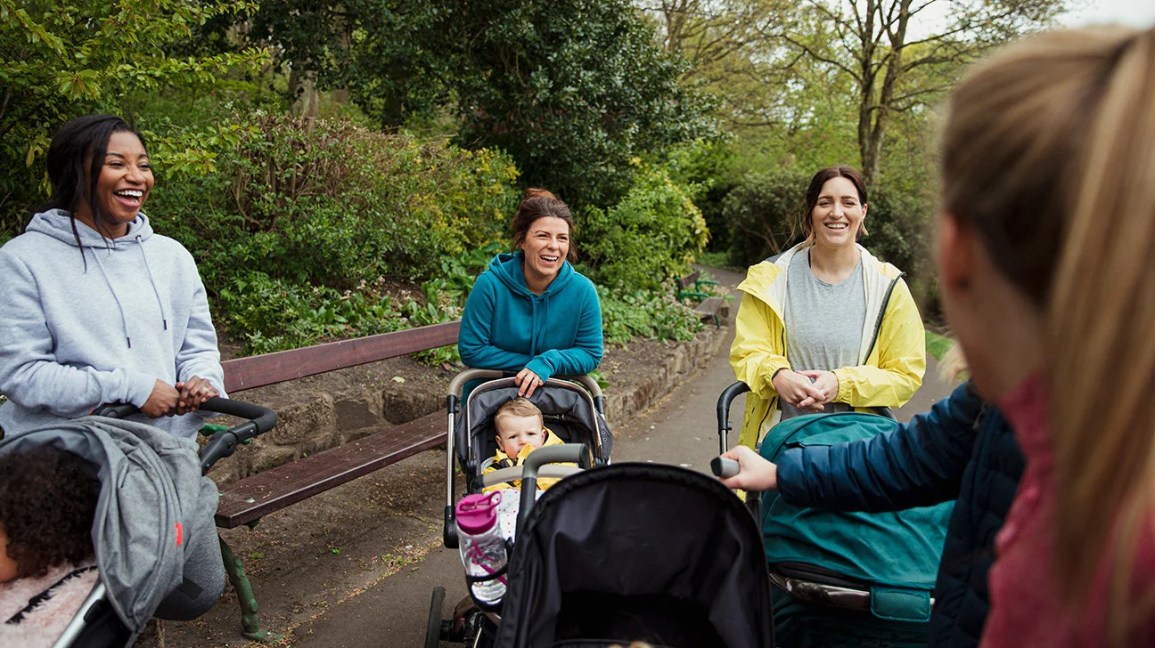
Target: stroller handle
<point x="224" y="443"/>
<point x="564" y="453"/>
<point x="458" y="383"/>
<point x="728" y="395"/>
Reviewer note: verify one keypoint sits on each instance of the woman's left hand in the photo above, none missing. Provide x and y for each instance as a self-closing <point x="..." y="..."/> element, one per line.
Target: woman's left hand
<point x="193" y="393"/>
<point x="825" y="382"/>
<point x="527" y="382"/>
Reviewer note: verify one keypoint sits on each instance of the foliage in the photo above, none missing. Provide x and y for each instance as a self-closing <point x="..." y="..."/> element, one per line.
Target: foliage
<point x="763" y="212"/>
<point x="937" y="345"/>
<point x="270" y="314"/>
<point x="572" y="89"/>
<point x="654" y="233"/>
<point x="62" y="59"/>
<point x="629" y="314"/>
<point x="331" y="204"/>
<point x="896" y="64"/>
<point x="898" y="223"/>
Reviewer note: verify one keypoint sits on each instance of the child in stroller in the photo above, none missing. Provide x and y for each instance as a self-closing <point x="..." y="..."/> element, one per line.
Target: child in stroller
<point x="47" y="563"/>
<point x="152" y="534"/>
<point x="521" y="429"/>
<point x="573" y="412"/>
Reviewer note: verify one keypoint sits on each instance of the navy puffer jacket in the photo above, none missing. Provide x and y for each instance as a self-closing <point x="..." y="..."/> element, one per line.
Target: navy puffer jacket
<point x="962" y="449"/>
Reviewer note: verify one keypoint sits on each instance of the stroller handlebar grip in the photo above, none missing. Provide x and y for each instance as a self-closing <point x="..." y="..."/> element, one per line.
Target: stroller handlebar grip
<point x="723" y="467"/>
<point x="224" y="443"/>
<point x="564" y="453"/>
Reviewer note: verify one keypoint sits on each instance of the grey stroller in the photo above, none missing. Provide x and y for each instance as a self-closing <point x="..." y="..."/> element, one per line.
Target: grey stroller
<point x="155" y="542"/>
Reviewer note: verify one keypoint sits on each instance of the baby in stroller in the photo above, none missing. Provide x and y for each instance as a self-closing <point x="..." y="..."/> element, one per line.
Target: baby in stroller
<point x="521" y="429"/>
<point x="561" y="412"/>
<point x="47" y="561"/>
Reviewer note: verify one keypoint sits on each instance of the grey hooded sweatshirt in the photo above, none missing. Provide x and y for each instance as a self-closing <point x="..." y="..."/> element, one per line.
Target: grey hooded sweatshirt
<point x="78" y="332"/>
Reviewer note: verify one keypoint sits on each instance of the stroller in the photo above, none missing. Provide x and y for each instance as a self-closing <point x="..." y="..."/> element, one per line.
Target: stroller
<point x="637" y="552"/>
<point x="573" y="409"/>
<point x="844" y="574"/>
<point x="154" y="503"/>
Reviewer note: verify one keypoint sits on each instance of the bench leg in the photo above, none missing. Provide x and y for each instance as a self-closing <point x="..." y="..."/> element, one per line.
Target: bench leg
<point x="250" y="623"/>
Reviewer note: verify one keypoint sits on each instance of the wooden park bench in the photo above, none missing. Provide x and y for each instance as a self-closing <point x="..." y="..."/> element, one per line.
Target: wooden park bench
<point x="247" y="500"/>
<point x="710" y="307"/>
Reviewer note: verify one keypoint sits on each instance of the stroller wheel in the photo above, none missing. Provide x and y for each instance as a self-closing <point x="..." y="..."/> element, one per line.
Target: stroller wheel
<point x="433" y="628"/>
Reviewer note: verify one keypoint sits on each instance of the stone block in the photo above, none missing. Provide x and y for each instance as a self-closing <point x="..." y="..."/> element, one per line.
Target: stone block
<point x="357" y="409"/>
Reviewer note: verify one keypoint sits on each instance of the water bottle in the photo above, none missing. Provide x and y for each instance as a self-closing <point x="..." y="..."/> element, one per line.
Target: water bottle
<point x="482" y="545"/>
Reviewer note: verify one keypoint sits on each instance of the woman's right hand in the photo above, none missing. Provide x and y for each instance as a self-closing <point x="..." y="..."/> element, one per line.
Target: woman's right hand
<point x="162" y="401"/>
<point x="798" y="390"/>
<point x="754" y="472"/>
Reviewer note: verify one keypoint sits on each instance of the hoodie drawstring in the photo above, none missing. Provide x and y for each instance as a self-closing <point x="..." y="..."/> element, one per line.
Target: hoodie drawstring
<point x="152" y="282"/>
<point x="115" y="297"/>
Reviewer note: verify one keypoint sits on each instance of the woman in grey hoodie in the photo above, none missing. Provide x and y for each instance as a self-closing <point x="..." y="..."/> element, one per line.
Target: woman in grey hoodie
<point x="94" y="306"/>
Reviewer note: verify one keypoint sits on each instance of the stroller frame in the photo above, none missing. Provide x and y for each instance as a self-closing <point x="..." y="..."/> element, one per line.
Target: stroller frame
<point x="453" y="403"/>
<point x="470" y="620"/>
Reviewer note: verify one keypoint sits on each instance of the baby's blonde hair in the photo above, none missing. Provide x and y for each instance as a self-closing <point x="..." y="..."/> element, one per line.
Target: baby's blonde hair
<point x="519" y="406"/>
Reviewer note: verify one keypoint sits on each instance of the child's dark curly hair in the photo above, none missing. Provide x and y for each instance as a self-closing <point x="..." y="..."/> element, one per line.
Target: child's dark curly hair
<point x="47" y="503"/>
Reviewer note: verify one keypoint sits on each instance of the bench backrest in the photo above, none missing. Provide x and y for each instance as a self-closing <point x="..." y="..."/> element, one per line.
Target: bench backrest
<point x="281" y="366"/>
<point x="688" y="280"/>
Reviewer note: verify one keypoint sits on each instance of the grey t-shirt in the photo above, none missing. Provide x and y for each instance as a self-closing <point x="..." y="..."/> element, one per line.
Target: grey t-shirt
<point x="823" y="322"/>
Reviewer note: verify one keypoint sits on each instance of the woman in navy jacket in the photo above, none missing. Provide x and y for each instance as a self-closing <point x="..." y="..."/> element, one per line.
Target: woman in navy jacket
<point x="962" y="448"/>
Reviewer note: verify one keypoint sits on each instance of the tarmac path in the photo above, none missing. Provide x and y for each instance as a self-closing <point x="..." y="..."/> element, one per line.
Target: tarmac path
<point x="682" y="430"/>
<point x="353" y="576"/>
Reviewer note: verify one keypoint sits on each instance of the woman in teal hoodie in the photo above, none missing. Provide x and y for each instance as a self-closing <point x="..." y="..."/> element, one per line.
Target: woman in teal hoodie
<point x="531" y="313"/>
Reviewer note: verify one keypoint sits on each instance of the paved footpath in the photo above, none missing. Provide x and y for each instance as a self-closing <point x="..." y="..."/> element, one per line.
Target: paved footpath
<point x="680" y="430"/>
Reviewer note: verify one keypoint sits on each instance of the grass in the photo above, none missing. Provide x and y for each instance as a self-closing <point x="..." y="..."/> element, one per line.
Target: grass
<point x="937" y="345"/>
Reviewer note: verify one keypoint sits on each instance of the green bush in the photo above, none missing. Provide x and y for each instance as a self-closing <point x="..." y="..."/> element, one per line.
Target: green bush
<point x="761" y="210"/>
<point x="653" y="234"/>
<point x="330" y="204"/>
<point x="640" y="313"/>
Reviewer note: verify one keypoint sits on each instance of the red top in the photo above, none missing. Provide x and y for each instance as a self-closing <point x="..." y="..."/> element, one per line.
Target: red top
<point x="1026" y="608"/>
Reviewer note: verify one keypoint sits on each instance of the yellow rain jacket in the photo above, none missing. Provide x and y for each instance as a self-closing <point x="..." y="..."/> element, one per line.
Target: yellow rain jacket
<point x="500" y="460"/>
<point x="893" y="354"/>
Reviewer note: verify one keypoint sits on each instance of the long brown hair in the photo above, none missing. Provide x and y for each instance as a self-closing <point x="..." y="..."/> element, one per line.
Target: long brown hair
<point x="1049" y="151"/>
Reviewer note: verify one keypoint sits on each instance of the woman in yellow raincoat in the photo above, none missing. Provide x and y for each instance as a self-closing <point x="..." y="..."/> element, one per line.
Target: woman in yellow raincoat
<point x="826" y="326"/>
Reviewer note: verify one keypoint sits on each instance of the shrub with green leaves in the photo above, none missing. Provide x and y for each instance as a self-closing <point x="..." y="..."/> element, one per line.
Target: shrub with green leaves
<point x="653" y="234"/>
<point x="760" y="211"/>
<point x="331" y="204"/>
<point x="640" y="313"/>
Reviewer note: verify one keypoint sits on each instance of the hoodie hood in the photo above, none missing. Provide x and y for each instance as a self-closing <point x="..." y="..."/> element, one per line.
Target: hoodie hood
<point x="57" y="223"/>
<point x="507" y="267"/>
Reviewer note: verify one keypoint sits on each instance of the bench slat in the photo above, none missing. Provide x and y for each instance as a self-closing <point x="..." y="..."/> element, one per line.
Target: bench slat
<point x="273" y="368"/>
<point x="277" y="488"/>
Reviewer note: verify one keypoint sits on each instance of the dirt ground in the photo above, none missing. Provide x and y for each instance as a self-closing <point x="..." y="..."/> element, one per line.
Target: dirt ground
<point x="321" y="541"/>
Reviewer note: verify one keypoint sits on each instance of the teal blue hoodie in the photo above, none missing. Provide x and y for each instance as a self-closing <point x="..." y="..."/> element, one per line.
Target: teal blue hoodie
<point x="507" y="327"/>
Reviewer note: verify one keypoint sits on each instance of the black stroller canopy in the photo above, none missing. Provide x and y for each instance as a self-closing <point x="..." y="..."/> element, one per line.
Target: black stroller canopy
<point x="633" y="552"/>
